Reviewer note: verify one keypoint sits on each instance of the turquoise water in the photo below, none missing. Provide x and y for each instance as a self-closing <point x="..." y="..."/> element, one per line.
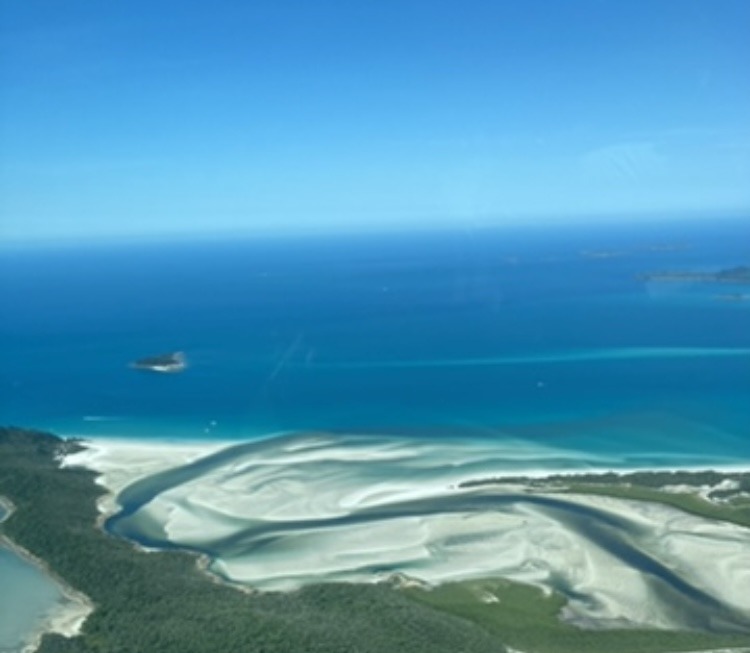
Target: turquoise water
<point x="279" y="513"/>
<point x="547" y="336"/>
<point x="27" y="597"/>
<point x="472" y="353"/>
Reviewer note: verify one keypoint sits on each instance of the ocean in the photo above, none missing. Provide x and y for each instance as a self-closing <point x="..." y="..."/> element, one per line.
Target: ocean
<point x="539" y="335"/>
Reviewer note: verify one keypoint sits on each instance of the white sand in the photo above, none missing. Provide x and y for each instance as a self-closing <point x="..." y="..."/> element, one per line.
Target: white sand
<point x="66" y="619"/>
<point x="315" y="497"/>
<point x="121" y="462"/>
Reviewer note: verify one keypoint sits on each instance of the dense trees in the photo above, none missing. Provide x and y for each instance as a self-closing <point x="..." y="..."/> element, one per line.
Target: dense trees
<point x="161" y="602"/>
<point x="149" y="602"/>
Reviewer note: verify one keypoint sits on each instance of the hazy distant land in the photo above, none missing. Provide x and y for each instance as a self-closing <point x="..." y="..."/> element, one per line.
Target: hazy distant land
<point x="158" y="602"/>
<point x="735" y="275"/>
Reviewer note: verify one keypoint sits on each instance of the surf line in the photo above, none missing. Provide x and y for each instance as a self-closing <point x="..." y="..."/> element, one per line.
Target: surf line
<point x="575" y="356"/>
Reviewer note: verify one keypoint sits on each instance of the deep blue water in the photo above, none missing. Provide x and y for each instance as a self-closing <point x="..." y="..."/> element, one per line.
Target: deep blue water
<point x="524" y="333"/>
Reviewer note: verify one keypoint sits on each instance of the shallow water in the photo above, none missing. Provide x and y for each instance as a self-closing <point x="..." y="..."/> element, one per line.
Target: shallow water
<point x="284" y="512"/>
<point x="27" y="597"/>
<point x="508" y="351"/>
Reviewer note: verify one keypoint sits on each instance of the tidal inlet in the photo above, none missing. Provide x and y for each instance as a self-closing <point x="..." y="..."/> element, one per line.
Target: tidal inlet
<point x="282" y="512"/>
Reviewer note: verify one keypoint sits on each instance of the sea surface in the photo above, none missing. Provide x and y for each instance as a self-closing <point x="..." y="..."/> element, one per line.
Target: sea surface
<point x="544" y="335"/>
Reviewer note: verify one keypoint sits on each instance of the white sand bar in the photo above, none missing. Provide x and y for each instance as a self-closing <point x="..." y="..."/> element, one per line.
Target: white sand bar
<point x="288" y="511"/>
<point x="121" y="462"/>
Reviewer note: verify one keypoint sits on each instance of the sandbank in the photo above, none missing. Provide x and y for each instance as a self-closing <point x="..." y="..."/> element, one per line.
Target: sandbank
<point x="360" y="509"/>
<point x="119" y="462"/>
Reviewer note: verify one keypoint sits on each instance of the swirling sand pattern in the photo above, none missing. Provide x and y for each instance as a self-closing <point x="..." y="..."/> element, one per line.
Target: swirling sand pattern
<point x="291" y="510"/>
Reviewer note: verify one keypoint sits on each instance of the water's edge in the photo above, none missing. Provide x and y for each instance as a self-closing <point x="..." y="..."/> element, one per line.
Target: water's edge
<point x="71" y="610"/>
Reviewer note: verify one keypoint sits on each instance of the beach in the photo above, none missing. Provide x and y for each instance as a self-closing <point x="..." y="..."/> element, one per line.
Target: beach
<point x="349" y="403"/>
<point x="287" y="511"/>
<point x="67" y="614"/>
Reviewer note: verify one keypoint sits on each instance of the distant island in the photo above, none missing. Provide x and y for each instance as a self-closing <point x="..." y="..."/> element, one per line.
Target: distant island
<point x="736" y="275"/>
<point x="603" y="253"/>
<point x="733" y="297"/>
<point x="164" y="363"/>
<point x="618" y="253"/>
<point x="667" y="247"/>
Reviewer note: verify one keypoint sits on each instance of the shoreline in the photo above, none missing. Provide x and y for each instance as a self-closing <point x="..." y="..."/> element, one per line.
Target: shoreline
<point x="153" y="457"/>
<point x="143" y="458"/>
<point x="72" y="610"/>
<point x="180" y="452"/>
<point x="415" y="522"/>
<point x="161" y="454"/>
<point x="426" y="531"/>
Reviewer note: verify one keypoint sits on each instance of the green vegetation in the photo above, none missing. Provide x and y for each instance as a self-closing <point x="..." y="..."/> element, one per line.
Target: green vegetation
<point x="735" y="510"/>
<point x="726" y="504"/>
<point x="161" y="602"/>
<point x="527" y="620"/>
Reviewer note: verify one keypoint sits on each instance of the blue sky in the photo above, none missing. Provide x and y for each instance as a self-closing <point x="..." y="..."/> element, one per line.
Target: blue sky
<point x="145" y="118"/>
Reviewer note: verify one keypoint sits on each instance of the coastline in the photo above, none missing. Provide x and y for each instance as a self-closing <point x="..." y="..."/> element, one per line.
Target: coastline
<point x="119" y="462"/>
<point x="68" y="617"/>
<point x="146" y="457"/>
<point x="276" y="485"/>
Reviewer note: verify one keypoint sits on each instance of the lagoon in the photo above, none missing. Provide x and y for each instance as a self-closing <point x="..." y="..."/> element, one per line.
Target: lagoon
<point x="28" y="599"/>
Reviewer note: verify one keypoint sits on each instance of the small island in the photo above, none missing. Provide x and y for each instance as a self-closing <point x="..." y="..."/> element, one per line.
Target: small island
<point x="735" y="275"/>
<point x="163" y="363"/>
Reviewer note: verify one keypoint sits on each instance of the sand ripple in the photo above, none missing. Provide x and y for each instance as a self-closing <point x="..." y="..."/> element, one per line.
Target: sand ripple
<point x="287" y="511"/>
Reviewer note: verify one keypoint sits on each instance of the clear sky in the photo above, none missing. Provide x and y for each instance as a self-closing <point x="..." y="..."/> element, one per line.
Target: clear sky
<point x="151" y="117"/>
